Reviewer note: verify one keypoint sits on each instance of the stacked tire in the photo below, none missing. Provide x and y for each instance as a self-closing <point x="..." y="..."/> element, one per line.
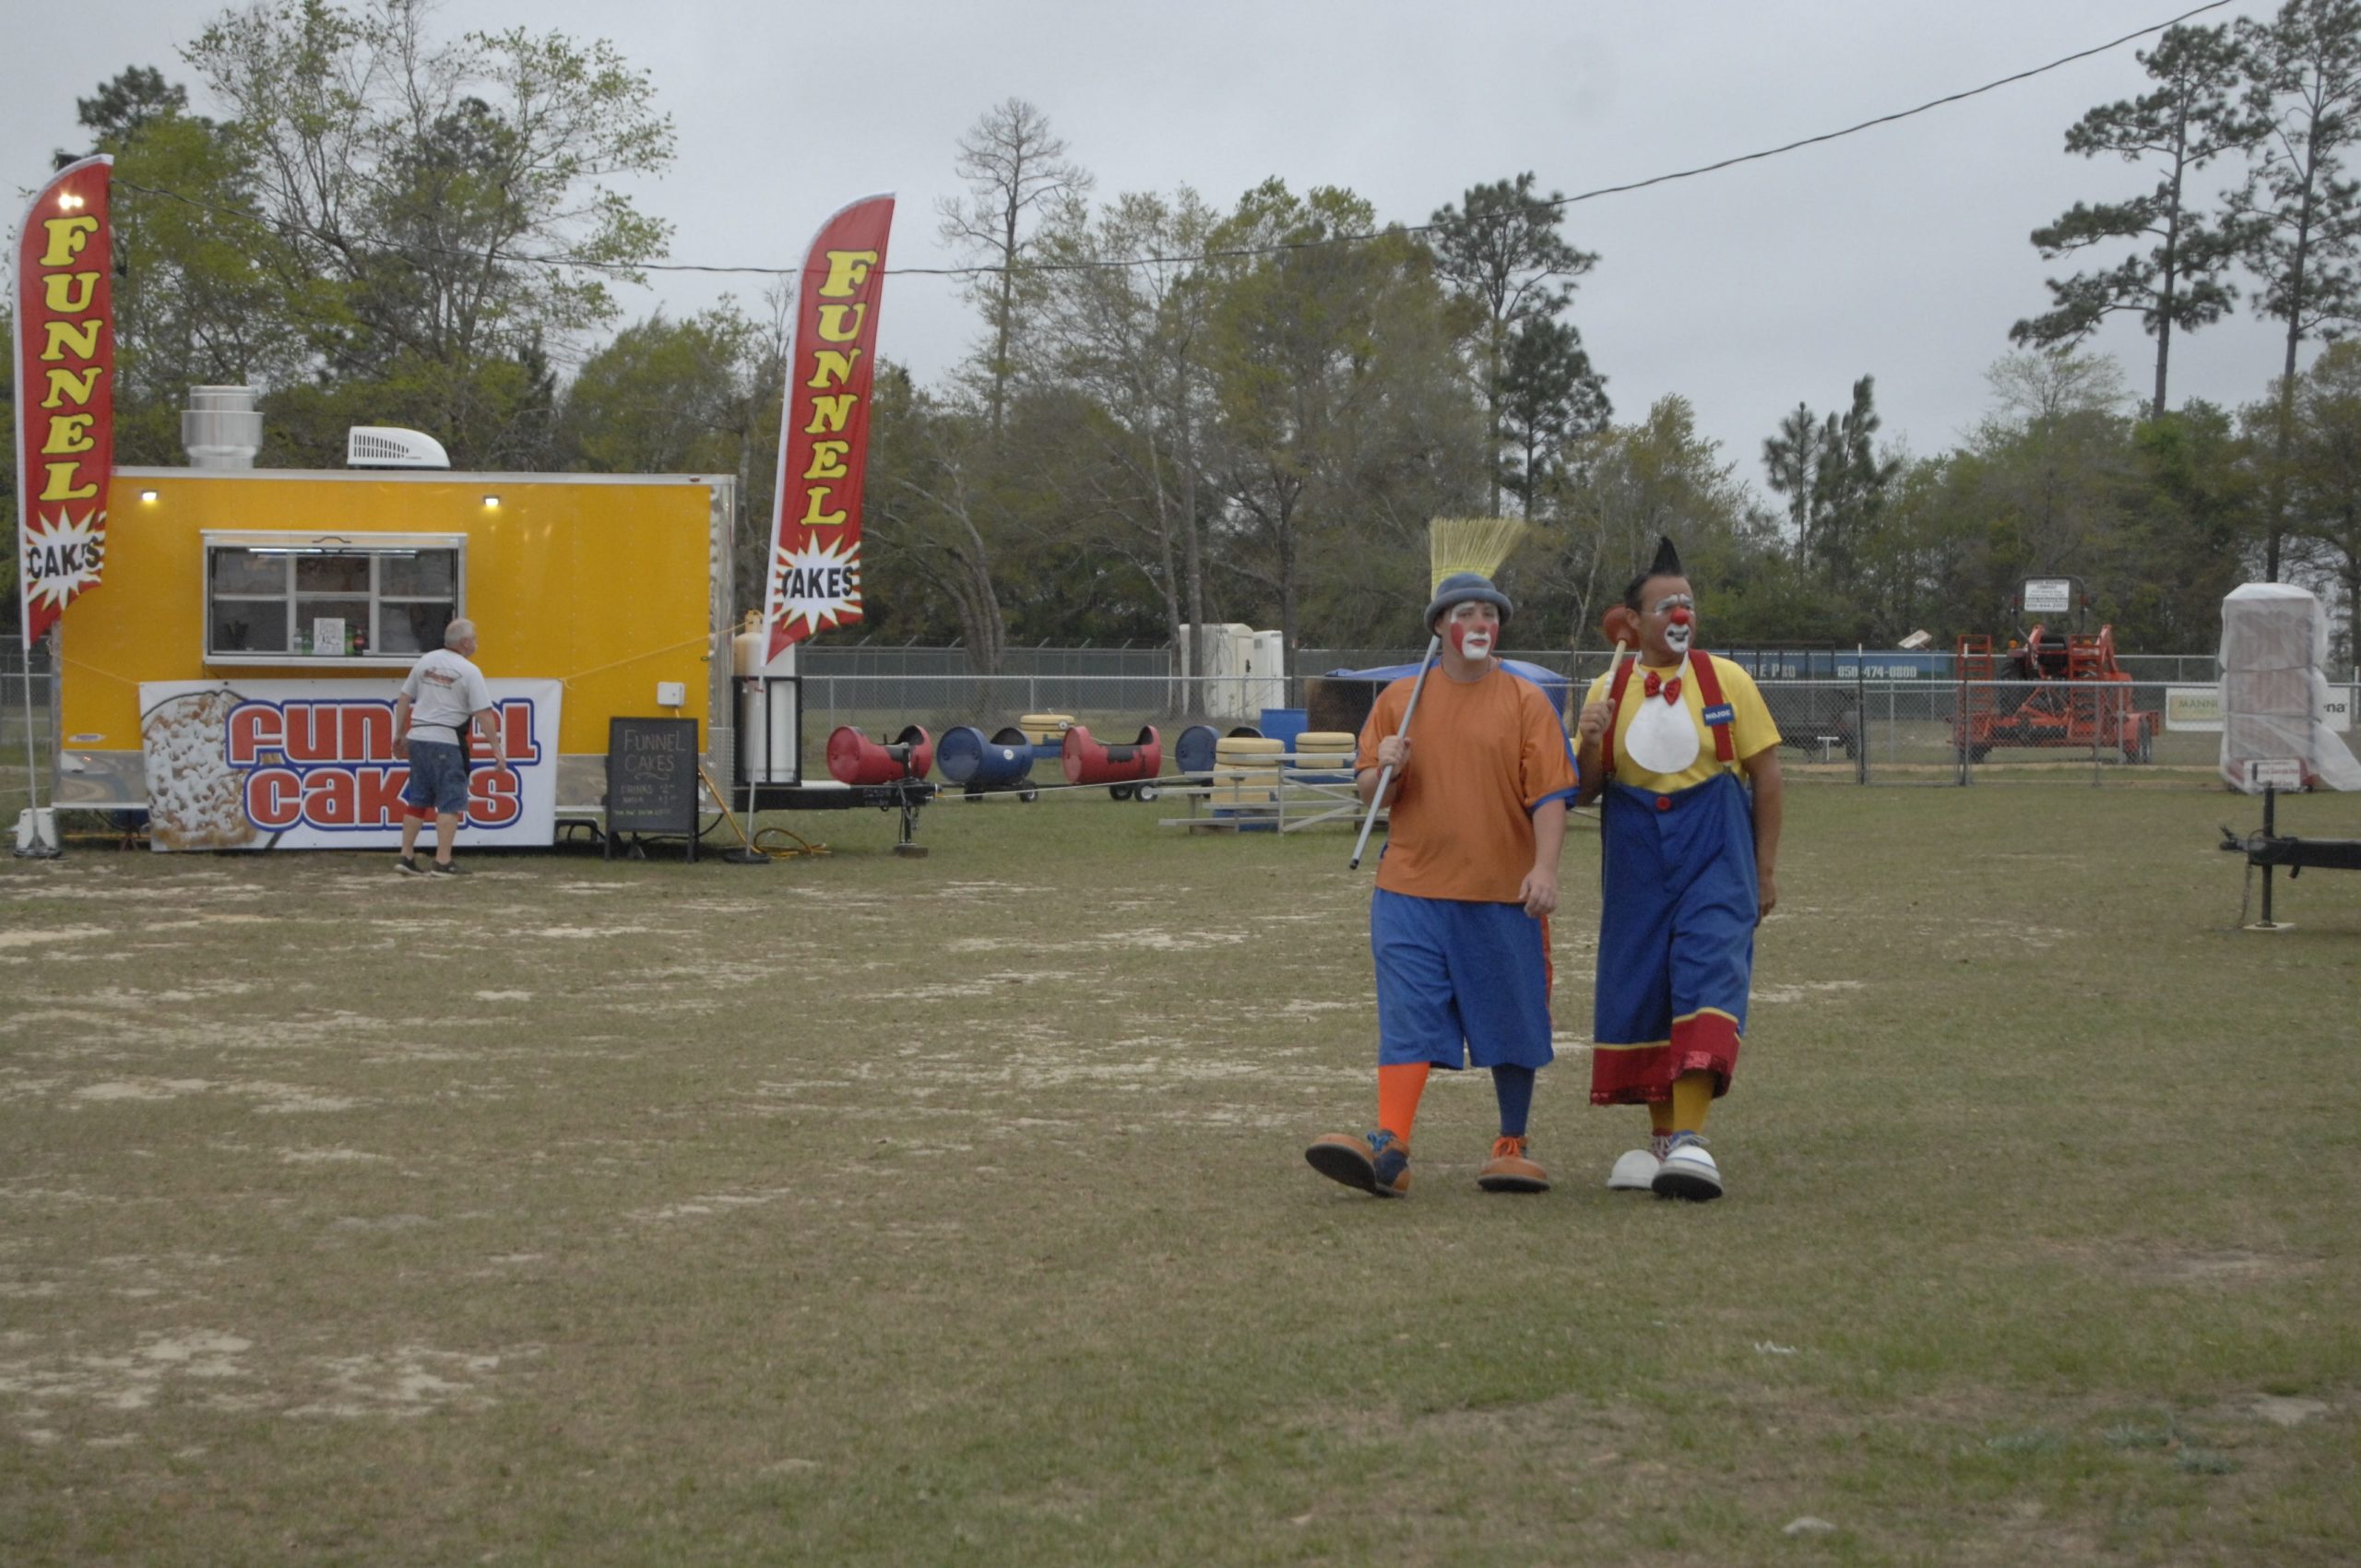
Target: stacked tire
<point x="1246" y="777"/>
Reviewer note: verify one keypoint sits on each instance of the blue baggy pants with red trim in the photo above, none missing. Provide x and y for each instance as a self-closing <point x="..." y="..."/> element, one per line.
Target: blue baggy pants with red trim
<point x="1676" y="941"/>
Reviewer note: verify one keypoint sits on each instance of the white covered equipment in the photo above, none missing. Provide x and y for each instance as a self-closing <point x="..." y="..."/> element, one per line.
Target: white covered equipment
<point x="2275" y="695"/>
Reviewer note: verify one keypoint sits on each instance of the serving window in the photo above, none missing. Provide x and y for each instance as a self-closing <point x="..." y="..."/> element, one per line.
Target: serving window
<point x="276" y="599"/>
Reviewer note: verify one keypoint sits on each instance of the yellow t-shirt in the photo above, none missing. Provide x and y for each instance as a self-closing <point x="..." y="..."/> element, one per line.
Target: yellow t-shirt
<point x="1751" y="728"/>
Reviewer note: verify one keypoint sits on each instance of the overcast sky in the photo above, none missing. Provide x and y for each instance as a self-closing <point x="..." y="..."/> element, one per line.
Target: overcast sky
<point x="1900" y="251"/>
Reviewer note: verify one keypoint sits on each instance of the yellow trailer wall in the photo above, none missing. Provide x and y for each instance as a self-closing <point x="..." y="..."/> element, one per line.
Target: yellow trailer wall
<point x="608" y="583"/>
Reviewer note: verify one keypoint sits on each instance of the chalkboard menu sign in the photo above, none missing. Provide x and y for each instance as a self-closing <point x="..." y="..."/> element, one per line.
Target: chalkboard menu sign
<point x="652" y="778"/>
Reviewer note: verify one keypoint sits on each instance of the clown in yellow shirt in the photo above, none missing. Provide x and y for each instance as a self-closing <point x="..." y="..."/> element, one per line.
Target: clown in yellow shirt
<point x="1683" y="756"/>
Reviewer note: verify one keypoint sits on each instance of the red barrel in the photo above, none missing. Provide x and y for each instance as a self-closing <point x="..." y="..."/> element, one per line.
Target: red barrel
<point x="1088" y="761"/>
<point x="854" y="758"/>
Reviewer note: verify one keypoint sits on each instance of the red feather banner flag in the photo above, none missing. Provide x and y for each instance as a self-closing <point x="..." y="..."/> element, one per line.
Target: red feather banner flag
<point x="65" y="392"/>
<point x="823" y="437"/>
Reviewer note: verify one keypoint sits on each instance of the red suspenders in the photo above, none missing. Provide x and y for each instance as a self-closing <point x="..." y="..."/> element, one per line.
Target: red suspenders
<point x="1709" y="691"/>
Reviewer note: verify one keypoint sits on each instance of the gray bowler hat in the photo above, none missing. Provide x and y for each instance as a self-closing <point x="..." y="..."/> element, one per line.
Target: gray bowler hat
<point x="1461" y="587"/>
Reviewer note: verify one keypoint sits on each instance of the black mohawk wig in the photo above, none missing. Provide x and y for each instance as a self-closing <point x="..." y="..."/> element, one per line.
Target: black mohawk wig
<point x="1666" y="564"/>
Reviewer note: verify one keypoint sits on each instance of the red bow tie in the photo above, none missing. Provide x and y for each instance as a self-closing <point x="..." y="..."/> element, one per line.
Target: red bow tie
<point x="1659" y="686"/>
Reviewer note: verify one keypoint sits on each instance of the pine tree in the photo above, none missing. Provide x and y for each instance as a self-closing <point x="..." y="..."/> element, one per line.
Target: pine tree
<point x="2195" y="115"/>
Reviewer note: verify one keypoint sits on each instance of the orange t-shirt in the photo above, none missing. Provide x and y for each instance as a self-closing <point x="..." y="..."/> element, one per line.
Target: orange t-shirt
<point x="1484" y="755"/>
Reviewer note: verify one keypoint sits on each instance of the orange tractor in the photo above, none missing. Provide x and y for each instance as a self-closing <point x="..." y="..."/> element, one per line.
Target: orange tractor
<point x="2054" y="689"/>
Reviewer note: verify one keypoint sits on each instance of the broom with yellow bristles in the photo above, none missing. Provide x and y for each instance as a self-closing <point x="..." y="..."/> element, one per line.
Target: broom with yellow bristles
<point x="1480" y="546"/>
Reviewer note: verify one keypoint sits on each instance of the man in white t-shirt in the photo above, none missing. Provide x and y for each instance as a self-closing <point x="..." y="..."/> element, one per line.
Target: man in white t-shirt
<point x="444" y="696"/>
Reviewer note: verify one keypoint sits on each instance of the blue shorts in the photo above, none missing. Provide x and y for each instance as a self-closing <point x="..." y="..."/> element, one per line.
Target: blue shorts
<point x="438" y="777"/>
<point x="1454" y="975"/>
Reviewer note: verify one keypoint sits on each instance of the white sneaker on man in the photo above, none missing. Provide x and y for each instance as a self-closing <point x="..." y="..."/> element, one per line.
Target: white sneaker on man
<point x="1688" y="1171"/>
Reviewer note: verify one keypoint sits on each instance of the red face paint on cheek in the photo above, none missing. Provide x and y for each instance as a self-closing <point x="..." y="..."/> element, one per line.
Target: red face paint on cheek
<point x="1457" y="632"/>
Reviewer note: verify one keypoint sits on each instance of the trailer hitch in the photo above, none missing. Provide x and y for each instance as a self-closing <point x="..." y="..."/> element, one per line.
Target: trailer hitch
<point x="2267" y="849"/>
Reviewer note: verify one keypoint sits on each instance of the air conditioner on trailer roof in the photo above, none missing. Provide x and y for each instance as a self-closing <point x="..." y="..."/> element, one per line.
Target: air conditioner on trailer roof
<point x="383" y="446"/>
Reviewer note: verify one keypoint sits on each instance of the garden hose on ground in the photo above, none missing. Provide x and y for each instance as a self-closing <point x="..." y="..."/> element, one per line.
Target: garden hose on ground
<point x="756" y="847"/>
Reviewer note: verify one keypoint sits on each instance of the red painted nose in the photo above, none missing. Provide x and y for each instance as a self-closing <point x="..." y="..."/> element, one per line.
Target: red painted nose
<point x="1680" y="616"/>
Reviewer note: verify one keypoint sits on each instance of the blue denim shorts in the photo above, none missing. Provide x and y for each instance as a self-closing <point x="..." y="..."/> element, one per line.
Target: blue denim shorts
<point x="438" y="777"/>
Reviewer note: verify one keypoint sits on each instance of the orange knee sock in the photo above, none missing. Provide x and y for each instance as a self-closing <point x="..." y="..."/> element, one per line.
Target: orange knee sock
<point x="1399" y="1085"/>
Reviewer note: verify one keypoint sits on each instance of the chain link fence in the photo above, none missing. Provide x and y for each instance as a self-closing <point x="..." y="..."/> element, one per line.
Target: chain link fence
<point x="1931" y="729"/>
<point x="846" y="660"/>
<point x="1858" y="730"/>
<point x="862" y="659"/>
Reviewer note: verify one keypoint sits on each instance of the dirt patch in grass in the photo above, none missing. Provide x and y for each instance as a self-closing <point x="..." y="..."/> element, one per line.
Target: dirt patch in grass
<point x="34" y="937"/>
<point x="2154" y="1263"/>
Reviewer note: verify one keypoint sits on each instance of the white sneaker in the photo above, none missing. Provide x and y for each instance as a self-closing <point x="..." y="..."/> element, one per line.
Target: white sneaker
<point x="1688" y="1171"/>
<point x="1636" y="1172"/>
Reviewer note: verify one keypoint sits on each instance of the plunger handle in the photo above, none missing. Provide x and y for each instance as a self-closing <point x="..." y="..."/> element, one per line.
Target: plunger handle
<point x="1621" y="627"/>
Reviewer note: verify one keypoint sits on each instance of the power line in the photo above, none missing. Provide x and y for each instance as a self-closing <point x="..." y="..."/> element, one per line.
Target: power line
<point x="1889" y="119"/>
<point x="1282" y="247"/>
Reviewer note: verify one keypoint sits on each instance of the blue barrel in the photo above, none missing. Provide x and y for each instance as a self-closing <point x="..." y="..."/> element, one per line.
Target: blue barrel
<point x="963" y="756"/>
<point x="1284" y="724"/>
<point x="1194" y="753"/>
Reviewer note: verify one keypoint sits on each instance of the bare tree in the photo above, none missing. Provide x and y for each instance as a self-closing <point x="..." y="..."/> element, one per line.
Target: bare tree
<point x="1015" y="170"/>
<point x="763" y="392"/>
<point x="1341" y="413"/>
<point x="1626" y="486"/>
<point x="1124" y="323"/>
<point x="931" y="515"/>
<point x="2053" y="458"/>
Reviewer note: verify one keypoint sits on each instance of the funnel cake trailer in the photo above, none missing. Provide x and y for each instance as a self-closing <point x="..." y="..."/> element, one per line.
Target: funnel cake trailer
<point x="235" y="674"/>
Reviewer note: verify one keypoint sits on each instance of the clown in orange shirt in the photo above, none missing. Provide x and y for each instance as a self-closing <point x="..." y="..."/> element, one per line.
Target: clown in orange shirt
<point x="1459" y="922"/>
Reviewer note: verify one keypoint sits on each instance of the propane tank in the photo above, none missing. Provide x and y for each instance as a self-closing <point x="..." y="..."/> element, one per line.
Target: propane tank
<point x="766" y="705"/>
<point x="746" y="648"/>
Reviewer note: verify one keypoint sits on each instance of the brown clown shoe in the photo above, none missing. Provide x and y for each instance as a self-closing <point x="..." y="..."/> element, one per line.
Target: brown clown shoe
<point x="1510" y="1171"/>
<point x="1377" y="1164"/>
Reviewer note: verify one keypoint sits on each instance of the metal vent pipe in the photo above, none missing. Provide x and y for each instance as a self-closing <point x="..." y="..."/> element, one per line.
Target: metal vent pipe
<point x="221" y="427"/>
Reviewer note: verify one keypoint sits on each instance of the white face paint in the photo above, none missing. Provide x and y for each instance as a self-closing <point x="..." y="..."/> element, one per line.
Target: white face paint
<point x="1676" y="634"/>
<point x="1472" y="630"/>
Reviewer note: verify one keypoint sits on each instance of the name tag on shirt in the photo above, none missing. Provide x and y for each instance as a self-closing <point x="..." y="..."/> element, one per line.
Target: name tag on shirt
<point x="1719" y="715"/>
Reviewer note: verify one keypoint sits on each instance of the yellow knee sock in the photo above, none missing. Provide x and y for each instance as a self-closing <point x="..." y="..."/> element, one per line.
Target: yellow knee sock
<point x="1660" y="1117"/>
<point x="1692" y="1096"/>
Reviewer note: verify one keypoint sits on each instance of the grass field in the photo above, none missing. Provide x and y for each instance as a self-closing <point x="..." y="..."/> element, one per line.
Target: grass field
<point x="866" y="1210"/>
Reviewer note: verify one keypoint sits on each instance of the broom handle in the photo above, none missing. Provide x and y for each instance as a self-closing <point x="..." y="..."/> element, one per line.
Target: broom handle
<point x="1387" y="775"/>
